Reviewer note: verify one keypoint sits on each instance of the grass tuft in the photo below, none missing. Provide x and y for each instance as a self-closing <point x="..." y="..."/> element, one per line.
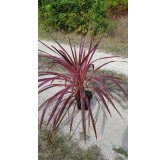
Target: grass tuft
<point x="121" y="151"/>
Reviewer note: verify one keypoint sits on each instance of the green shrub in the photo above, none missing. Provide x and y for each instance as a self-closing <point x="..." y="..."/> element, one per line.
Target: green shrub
<point x="118" y="8"/>
<point x="74" y="15"/>
<point x="78" y="15"/>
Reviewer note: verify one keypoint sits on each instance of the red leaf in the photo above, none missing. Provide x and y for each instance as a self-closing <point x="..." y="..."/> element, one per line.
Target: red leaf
<point x="114" y="81"/>
<point x="72" y="118"/>
<point x="82" y="97"/>
<point x="102" y="98"/>
<point x="89" y="109"/>
<point x="61" y="94"/>
<point x="59" y="114"/>
<point x="109" y="99"/>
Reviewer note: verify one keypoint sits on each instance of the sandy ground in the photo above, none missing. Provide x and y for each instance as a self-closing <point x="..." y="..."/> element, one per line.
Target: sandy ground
<point x="112" y="132"/>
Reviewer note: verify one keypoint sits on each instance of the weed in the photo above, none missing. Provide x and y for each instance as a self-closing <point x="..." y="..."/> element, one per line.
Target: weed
<point x="121" y="151"/>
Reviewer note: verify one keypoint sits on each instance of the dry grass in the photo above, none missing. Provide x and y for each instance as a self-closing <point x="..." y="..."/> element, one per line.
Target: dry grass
<point x="115" y="42"/>
<point x="121" y="30"/>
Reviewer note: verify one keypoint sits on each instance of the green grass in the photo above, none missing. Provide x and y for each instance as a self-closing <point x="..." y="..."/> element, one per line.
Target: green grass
<point x="61" y="148"/>
<point x="121" y="151"/>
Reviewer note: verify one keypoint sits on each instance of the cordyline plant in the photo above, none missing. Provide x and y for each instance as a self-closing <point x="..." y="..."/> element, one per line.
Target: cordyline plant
<point x="80" y="82"/>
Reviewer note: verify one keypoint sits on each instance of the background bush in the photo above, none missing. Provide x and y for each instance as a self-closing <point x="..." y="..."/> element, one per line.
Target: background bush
<point x="78" y="15"/>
